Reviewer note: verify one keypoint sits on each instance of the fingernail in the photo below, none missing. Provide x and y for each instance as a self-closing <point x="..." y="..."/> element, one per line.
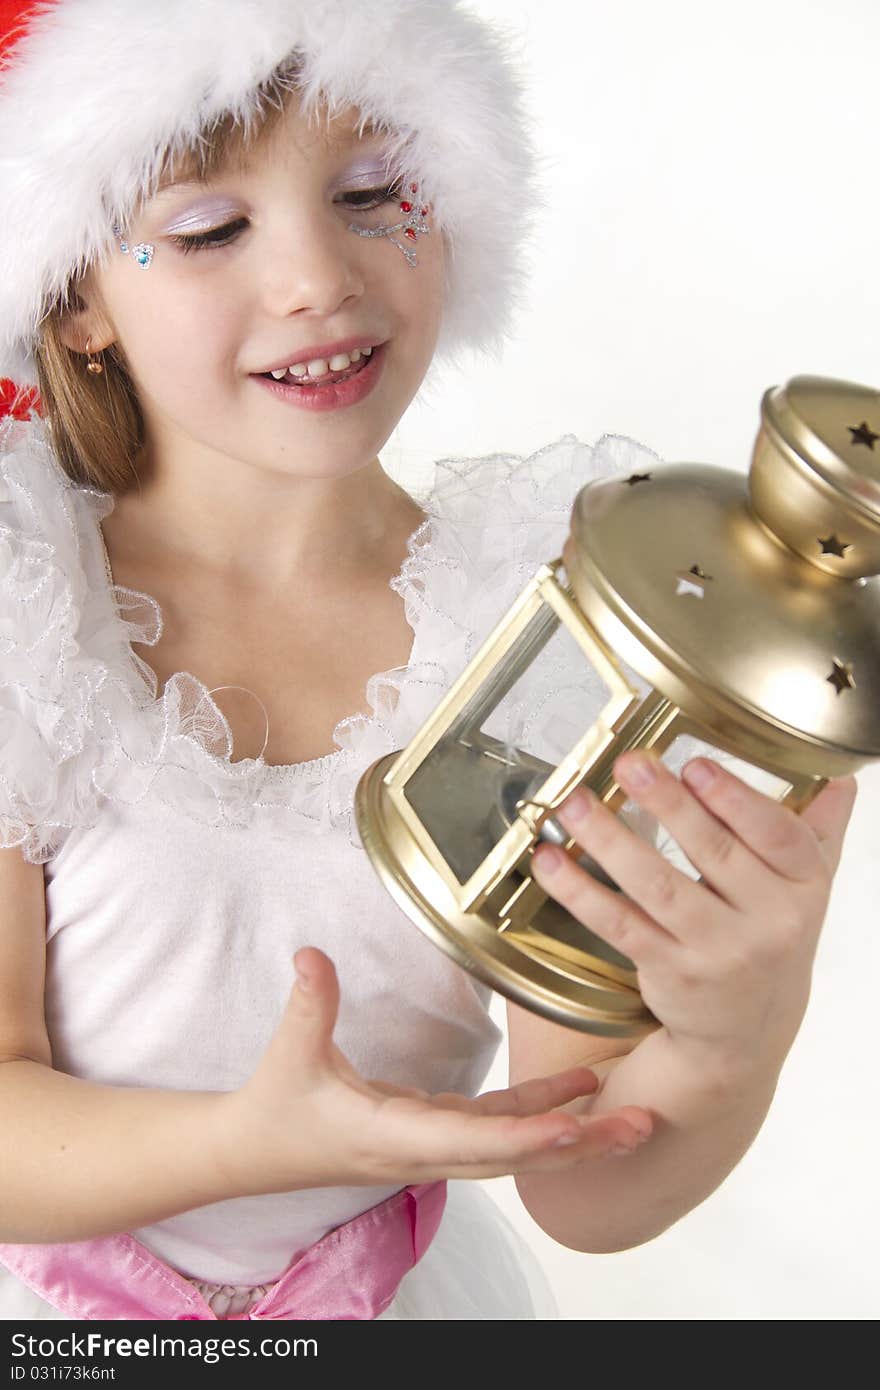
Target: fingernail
<point x="547" y="858"/>
<point x="619" y="1149"/>
<point x="699" y="775"/>
<point x="577" y="806"/>
<point x="638" y="771"/>
<point x="565" y="1139"/>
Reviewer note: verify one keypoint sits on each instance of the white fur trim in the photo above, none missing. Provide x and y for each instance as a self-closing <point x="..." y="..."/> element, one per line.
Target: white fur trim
<point x="99" y="89"/>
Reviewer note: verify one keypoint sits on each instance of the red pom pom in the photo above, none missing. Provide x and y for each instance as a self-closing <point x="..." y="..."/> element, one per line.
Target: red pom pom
<point x="18" y="401"/>
<point x="15" y="16"/>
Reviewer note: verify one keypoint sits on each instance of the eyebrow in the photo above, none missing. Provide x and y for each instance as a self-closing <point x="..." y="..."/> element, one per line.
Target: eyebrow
<point x="173" y="185"/>
<point x="372" y="131"/>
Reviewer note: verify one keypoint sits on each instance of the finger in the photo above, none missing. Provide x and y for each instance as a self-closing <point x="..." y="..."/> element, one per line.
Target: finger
<point x="387" y="1089"/>
<point x="610" y="915"/>
<point x="304" y="1034"/>
<point x="828" y="816"/>
<point x="417" y="1138"/>
<point x="775" y="833"/>
<point x="527" y="1097"/>
<point x="726" y="864"/>
<point x="531" y="1097"/>
<point x="672" y="906"/>
<point x="589" y="1146"/>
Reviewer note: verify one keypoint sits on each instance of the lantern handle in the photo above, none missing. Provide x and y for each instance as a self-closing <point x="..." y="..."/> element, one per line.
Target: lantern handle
<point x="550" y="807"/>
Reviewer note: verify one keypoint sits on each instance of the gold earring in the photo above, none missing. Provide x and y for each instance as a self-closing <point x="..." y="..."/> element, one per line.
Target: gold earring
<point x="94" y="366"/>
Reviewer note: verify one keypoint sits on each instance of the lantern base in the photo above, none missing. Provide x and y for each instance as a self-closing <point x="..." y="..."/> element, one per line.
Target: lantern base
<point x="547" y="974"/>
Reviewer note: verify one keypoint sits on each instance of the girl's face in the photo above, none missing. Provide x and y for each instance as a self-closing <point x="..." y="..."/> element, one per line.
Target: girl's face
<point x="280" y="272"/>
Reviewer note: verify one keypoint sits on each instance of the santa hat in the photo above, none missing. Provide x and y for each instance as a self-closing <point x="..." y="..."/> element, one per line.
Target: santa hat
<point x="93" y="92"/>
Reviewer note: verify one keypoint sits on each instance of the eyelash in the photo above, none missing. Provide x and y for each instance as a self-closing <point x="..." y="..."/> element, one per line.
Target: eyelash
<point x="219" y="237"/>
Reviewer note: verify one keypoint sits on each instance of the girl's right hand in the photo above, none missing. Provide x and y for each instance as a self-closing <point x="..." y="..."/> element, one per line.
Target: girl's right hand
<point x="307" y="1118"/>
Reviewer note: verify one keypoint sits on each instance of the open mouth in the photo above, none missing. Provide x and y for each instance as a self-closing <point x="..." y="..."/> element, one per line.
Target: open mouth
<point x="331" y="390"/>
<point x="306" y="382"/>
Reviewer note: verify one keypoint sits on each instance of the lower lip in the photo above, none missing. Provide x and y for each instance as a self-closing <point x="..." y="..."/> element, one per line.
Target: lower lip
<point x="334" y="394"/>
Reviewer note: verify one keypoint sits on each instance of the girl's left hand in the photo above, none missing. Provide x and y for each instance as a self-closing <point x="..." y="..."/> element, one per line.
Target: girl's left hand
<point x="725" y="964"/>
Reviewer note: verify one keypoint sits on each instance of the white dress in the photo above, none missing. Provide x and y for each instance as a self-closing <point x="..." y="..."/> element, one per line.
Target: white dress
<point x="176" y="979"/>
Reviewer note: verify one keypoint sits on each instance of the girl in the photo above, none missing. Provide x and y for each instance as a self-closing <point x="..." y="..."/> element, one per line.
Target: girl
<point x="238" y="238"/>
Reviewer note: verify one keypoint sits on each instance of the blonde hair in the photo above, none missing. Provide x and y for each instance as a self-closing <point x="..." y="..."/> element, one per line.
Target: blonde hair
<point x="95" y="419"/>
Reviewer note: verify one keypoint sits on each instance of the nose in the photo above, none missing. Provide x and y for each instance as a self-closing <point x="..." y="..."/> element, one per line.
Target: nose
<point x="313" y="263"/>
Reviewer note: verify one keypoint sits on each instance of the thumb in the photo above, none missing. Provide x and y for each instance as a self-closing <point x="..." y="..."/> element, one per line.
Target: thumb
<point x="314" y="998"/>
<point x="828" y="815"/>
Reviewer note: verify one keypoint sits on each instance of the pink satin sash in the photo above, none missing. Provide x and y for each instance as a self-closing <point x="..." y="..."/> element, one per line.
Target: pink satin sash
<point x="353" y="1272"/>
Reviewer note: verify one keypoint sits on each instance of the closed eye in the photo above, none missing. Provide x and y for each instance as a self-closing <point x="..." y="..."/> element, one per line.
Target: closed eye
<point x="218" y="236"/>
<point x="223" y="236"/>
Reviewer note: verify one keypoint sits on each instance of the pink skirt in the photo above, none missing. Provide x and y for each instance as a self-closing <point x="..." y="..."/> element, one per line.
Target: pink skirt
<point x="476" y="1266"/>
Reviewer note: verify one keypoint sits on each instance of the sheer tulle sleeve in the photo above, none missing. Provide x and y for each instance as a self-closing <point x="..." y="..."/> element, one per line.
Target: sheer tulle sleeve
<point x="34" y="609"/>
<point x="49" y="687"/>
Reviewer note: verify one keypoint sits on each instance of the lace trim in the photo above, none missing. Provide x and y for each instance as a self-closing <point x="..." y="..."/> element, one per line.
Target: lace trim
<point x="149" y="632"/>
<point x="229" y="1300"/>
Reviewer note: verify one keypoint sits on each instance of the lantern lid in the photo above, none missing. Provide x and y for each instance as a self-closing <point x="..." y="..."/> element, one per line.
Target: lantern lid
<point x="684" y="571"/>
<point x="826" y="426"/>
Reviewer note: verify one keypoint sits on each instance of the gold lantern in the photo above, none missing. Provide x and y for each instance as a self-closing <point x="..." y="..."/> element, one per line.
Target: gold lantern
<point x="736" y="615"/>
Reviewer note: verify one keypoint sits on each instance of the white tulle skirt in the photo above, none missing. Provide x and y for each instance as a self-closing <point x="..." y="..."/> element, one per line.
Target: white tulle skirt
<point x="477" y="1266"/>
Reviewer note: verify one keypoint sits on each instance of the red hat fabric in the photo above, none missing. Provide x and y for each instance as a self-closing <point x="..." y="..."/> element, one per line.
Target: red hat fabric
<point x="14" y="17"/>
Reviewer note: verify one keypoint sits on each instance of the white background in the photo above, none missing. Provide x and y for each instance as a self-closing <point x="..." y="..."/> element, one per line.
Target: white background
<point x="713" y="231"/>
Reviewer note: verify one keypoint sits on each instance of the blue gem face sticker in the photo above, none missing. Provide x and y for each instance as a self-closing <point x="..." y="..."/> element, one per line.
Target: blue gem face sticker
<point x="143" y="253"/>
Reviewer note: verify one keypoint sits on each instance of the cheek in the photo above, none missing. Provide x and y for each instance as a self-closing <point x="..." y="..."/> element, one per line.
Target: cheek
<point x="422" y="288"/>
<point x="433" y="251"/>
<point x="435" y="267"/>
<point x="180" y="334"/>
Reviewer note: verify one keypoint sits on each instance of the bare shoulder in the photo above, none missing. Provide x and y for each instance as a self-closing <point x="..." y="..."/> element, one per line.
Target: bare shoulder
<point x="538" y="1047"/>
<point x="22" y="959"/>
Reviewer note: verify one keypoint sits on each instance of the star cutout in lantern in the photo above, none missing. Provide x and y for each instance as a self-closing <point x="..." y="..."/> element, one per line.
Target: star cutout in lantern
<point x="692" y="581"/>
<point x="863" y="434"/>
<point x="638" y="478"/>
<point x="832" y="546"/>
<point x="841" y="676"/>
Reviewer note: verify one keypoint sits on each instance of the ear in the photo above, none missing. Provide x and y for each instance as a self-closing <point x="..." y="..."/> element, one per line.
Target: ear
<point x="86" y="319"/>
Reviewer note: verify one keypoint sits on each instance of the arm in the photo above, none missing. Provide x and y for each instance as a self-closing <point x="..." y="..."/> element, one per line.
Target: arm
<point x="724" y="963"/>
<point x="79" y="1160"/>
<point x="703" y="1125"/>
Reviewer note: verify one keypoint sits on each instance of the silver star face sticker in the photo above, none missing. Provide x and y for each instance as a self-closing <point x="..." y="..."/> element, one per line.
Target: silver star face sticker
<point x="412" y="225"/>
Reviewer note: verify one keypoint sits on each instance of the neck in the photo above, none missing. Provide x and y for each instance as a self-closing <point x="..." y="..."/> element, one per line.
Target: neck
<point x="261" y="531"/>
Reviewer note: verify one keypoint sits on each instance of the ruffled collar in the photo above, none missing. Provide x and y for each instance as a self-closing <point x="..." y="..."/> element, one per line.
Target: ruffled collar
<point x="85" y="706"/>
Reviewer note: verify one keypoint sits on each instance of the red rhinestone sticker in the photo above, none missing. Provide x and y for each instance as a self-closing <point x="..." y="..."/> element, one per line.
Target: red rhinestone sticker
<point x="412" y="223"/>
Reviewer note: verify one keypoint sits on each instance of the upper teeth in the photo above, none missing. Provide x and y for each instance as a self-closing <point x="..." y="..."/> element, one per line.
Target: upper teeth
<point x="319" y="366"/>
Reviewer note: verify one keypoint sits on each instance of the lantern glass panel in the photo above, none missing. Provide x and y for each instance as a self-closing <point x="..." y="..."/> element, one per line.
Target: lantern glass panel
<point x="527" y="715"/>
